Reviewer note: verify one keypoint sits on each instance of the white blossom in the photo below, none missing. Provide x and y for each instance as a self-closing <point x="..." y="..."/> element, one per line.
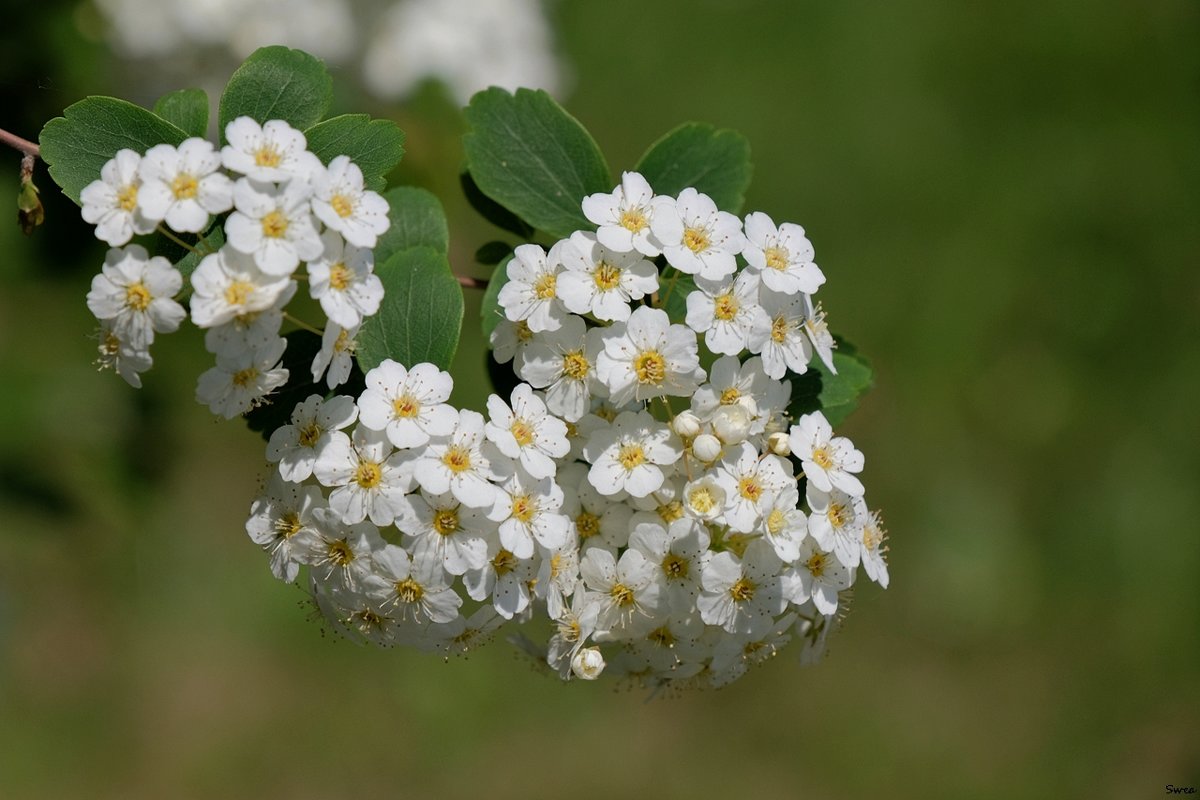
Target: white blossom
<point x="112" y="203"/>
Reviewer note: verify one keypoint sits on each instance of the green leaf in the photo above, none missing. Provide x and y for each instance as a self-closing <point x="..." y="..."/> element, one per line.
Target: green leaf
<point x="302" y="348"/>
<point x="417" y="220"/>
<point x="493" y="253"/>
<point x="715" y="162"/>
<point x="76" y="145"/>
<point x="421" y="315"/>
<point x="836" y="396"/>
<point x="186" y="109"/>
<point x="490" y="312"/>
<point x="375" y="145"/>
<point x="532" y="157"/>
<point x="492" y="211"/>
<point x="674" y="288"/>
<point x="277" y="83"/>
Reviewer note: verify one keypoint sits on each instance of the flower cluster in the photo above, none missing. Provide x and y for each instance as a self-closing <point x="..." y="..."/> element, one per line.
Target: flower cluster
<point x="673" y="522"/>
<point x="283" y="206"/>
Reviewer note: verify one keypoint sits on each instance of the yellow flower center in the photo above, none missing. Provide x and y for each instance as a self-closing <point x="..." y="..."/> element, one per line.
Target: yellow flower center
<point x="523" y="331"/>
<point x="633" y="219"/>
<point x="816" y="564"/>
<point x="127" y="197"/>
<point x="696" y="239"/>
<point x="775" y="521"/>
<point x="730" y="396"/>
<point x="137" y="296"/>
<point x="702" y="499"/>
<point x="675" y="567"/>
<point x="406" y="406"/>
<point x="343" y="206"/>
<point x="458" y="459"/>
<point x="288" y="525"/>
<point x="669" y="512"/>
<point x="607" y="276"/>
<point x="522" y="432"/>
<point x="621" y="594"/>
<point x="587" y="524"/>
<point x="742" y="590"/>
<point x="340" y="276"/>
<point x="650" y="367"/>
<point x="837" y="515"/>
<point x="777" y="258"/>
<point x="750" y="488"/>
<point x="872" y="537"/>
<point x="310" y="433"/>
<point x="344" y="342"/>
<point x="340" y="553"/>
<point x="504" y="562"/>
<point x="245" y="377"/>
<point x="545" y="286"/>
<point x="238" y="292"/>
<point x="274" y="225"/>
<point x="267" y="156"/>
<point x="368" y="474"/>
<point x="725" y="306"/>
<point x="661" y="637"/>
<point x="185" y="186"/>
<point x="409" y="591"/>
<point x="524" y="508"/>
<point x="822" y="457"/>
<point x="631" y="456"/>
<point x="575" y="365"/>
<point x="780" y="329"/>
<point x="445" y="521"/>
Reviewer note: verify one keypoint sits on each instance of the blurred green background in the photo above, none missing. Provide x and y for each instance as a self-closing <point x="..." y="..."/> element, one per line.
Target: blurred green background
<point x="1004" y="197"/>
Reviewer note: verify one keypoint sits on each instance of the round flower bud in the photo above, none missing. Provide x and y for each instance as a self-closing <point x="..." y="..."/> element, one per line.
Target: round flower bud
<point x="731" y="424"/>
<point x="687" y="424"/>
<point x="707" y="448"/>
<point x="780" y="443"/>
<point x="588" y="663"/>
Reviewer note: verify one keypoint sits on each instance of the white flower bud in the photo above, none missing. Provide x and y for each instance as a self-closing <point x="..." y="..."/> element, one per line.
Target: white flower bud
<point x="780" y="443"/>
<point x="707" y="448"/>
<point x="686" y="424"/>
<point x="588" y="663"/>
<point x="731" y="424"/>
<point x="704" y="498"/>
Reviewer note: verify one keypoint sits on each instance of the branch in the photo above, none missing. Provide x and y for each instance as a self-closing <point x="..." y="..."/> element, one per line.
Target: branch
<point x="17" y="143"/>
<point x="472" y="283"/>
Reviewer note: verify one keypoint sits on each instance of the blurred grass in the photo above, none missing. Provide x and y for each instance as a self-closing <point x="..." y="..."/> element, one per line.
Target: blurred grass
<point x="1005" y="200"/>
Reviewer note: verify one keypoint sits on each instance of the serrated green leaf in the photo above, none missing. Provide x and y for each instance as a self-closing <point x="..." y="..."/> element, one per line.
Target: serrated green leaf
<point x="490" y="312"/>
<point x="302" y="348"/>
<point x="491" y="253"/>
<point x="674" y="288"/>
<point x="375" y="145"/>
<point x="417" y="220"/>
<point x="492" y="211"/>
<point x="715" y="162"/>
<point x="421" y="315"/>
<point x="532" y="157"/>
<point x="77" y="145"/>
<point x="277" y="83"/>
<point x="186" y="109"/>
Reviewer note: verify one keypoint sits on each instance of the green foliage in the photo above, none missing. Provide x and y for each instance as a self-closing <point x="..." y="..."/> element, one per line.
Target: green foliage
<point x="836" y="396"/>
<point x="715" y="162"/>
<point x="492" y="211"/>
<point x="421" y="315"/>
<point x="532" y="157"/>
<point x="674" y="287"/>
<point x="376" y="146"/>
<point x="417" y="220"/>
<point x="490" y="312"/>
<point x="491" y="253"/>
<point x="76" y="145"/>
<point x="277" y="83"/>
<point x="302" y="348"/>
<point x="186" y="109"/>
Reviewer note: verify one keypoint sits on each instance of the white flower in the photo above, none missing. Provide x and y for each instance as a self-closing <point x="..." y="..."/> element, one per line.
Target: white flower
<point x="782" y="255"/>
<point x="736" y="653"/>
<point x="725" y="312"/>
<point x="228" y="285"/>
<point x="340" y="554"/>
<point x="602" y="282"/>
<point x="873" y="537"/>
<point x="134" y="292"/>
<point x="563" y="362"/>
<point x="409" y="405"/>
<point x="624" y="216"/>
<point x="503" y="577"/>
<point x="527" y="510"/>
<point x="818" y="576"/>
<point x="697" y="238"/>
<point x="588" y="663"/>
<point x="457" y="463"/>
<point x="573" y="627"/>
<point x="597" y="520"/>
<point x="749" y="481"/>
<point x="343" y="281"/>
<point x="282" y="522"/>
<point x="734" y="384"/>
<point x="274" y="224"/>
<point x="416" y="594"/>
<point x="340" y="201"/>
<point x="681" y="553"/>
<point x="315" y="423"/>
<point x="630" y="589"/>
<point x="111" y="203"/>
<point x="531" y="294"/>
<point x="785" y="524"/>
<point x="336" y="355"/>
<point x="818" y="332"/>
<point x="836" y="522"/>
<point x="704" y="498"/>
<point x="182" y="185"/>
<point x="779" y="334"/>
<point x="439" y="528"/>
<point x="247" y="331"/>
<point x="274" y="151"/>
<point x="240" y="381"/>
<point x="526" y="432"/>
<point x="829" y="461"/>
<point x="649" y="357"/>
<point x="743" y="595"/>
<point x="119" y="354"/>
<point x="371" y="481"/>
<point x="630" y="455"/>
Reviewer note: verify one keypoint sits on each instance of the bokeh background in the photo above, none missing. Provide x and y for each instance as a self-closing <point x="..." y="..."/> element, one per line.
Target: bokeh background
<point x="1005" y="198"/>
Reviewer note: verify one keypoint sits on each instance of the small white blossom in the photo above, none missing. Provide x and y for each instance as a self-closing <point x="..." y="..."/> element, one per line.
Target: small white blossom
<point x="648" y="357"/>
<point x="624" y="216"/>
<point x="780" y="335"/>
<point x="134" y="292"/>
<point x="439" y="528"/>
<point x="563" y="362"/>
<point x="409" y="405"/>
<point x="696" y="238"/>
<point x="725" y="312"/>
<point x="336" y="355"/>
<point x="527" y="432"/>
<point x="783" y="256"/>
<point x="818" y="576"/>
<point x="749" y="481"/>
<point x="457" y="463"/>
<point x="630" y="589"/>
<point x="228" y="285"/>
<point x="340" y="201"/>
<point x="588" y="663"/>
<point x="527" y="510"/>
<point x="121" y="355"/>
<point x="741" y="595"/>
<point x="272" y="152"/>
<point x="630" y="455"/>
<point x="274" y="224"/>
<point x="837" y="522"/>
<point x="182" y="185"/>
<point x="531" y="294"/>
<point x="240" y="381"/>
<point x="282" y="522"/>
<point x="370" y="480"/>
<point x="829" y="461"/>
<point x="343" y="281"/>
<point x="397" y="582"/>
<point x="602" y="282"/>
<point x="111" y="203"/>
<point x="873" y="538"/>
<point x="315" y="423"/>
